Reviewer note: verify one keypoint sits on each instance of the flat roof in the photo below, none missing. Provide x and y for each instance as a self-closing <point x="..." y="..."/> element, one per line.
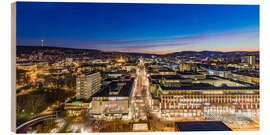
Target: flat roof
<point x="78" y="101"/>
<point x="112" y="79"/>
<point x="88" y="72"/>
<point x="130" y="64"/>
<point x="207" y="87"/>
<point x="250" y="74"/>
<point x="202" y="126"/>
<point x="168" y="77"/>
<point x="237" y="81"/>
<point x="92" y="65"/>
<point x="119" y="72"/>
<point x="165" y="70"/>
<point x="188" y="73"/>
<point x="123" y="92"/>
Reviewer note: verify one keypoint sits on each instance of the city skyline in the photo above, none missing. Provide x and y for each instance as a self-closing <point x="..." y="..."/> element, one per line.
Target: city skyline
<point x="145" y="28"/>
<point x="119" y="67"/>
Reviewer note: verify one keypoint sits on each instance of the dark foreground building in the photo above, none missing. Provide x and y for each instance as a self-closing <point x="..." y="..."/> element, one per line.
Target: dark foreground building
<point x="201" y="126"/>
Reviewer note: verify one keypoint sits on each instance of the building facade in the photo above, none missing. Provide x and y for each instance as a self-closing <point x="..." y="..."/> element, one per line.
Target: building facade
<point x="192" y="102"/>
<point x="113" y="100"/>
<point x="87" y="84"/>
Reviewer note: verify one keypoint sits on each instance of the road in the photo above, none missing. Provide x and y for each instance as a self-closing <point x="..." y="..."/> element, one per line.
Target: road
<point x="141" y="95"/>
<point x="24" y="127"/>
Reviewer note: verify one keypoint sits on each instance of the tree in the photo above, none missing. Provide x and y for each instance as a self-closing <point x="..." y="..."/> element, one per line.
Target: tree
<point x="70" y="81"/>
<point x="52" y="82"/>
<point x="26" y="79"/>
<point x="37" y="102"/>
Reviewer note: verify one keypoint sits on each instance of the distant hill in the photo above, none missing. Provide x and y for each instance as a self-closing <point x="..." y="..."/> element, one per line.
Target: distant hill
<point x="30" y="49"/>
<point x="213" y="53"/>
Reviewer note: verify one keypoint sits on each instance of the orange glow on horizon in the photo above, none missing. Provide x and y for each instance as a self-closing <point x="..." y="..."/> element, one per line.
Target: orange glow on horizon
<point x="235" y="50"/>
<point x="219" y="50"/>
<point x="168" y="52"/>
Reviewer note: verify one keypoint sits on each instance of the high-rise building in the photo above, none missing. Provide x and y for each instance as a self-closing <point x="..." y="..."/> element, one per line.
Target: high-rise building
<point x="87" y="84"/>
<point x="251" y="60"/>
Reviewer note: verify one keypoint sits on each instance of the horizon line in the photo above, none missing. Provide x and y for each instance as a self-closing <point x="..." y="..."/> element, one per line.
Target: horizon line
<point x="158" y="53"/>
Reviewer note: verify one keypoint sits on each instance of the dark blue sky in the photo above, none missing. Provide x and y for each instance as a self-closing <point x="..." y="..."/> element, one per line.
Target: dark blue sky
<point x="152" y="28"/>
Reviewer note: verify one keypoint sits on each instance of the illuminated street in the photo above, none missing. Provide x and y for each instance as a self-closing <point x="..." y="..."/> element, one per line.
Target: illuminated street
<point x="141" y="95"/>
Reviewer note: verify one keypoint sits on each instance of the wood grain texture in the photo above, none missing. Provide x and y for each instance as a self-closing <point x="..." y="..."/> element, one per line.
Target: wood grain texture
<point x="13" y="67"/>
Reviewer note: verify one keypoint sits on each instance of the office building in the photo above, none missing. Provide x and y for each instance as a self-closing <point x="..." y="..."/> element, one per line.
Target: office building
<point x="87" y="84"/>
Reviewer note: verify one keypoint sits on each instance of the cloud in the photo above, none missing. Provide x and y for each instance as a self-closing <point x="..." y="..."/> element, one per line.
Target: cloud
<point x="230" y="40"/>
<point x="176" y="42"/>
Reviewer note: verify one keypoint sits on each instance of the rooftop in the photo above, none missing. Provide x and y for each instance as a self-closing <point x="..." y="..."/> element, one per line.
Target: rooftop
<point x="206" y="86"/>
<point x="202" y="126"/>
<point x="78" y="101"/>
<point x="166" y="77"/>
<point x="93" y="65"/>
<point x="118" y="72"/>
<point x="165" y="70"/>
<point x="248" y="74"/>
<point x="188" y="73"/>
<point x="123" y="91"/>
<point x="89" y="72"/>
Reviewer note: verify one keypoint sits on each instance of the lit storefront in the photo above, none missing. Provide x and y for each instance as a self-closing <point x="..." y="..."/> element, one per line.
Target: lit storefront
<point x="193" y="102"/>
<point x="117" y="107"/>
<point x="75" y="108"/>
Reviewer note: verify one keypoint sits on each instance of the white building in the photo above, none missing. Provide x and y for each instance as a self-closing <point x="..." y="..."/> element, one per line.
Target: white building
<point x="251" y="60"/>
<point x="87" y="84"/>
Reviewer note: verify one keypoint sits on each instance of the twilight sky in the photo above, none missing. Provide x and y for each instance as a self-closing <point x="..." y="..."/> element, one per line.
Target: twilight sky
<point x="147" y="28"/>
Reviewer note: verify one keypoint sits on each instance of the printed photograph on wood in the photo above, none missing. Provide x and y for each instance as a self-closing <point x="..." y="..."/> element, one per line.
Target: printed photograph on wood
<point x="118" y="67"/>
